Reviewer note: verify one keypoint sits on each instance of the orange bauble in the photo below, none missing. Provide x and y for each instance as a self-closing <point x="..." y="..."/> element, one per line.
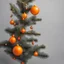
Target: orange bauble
<point x="24" y="16"/>
<point x="17" y="50"/>
<point x="34" y="10"/>
<point x="12" y="40"/>
<point x="22" y="30"/>
<point x="35" y="53"/>
<point x="12" y="22"/>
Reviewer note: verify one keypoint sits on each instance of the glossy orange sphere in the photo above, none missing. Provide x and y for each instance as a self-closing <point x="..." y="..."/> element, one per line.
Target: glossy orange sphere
<point x="12" y="22"/>
<point x="12" y="40"/>
<point x="23" y="30"/>
<point x="34" y="10"/>
<point x="24" y="16"/>
<point x="35" y="53"/>
<point x="17" y="50"/>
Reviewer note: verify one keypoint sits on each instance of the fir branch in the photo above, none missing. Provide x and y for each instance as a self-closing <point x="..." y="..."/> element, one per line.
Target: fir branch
<point x="4" y="43"/>
<point x="33" y="18"/>
<point x="35" y="48"/>
<point x="15" y="10"/>
<point x="32" y="33"/>
<point x="28" y="1"/>
<point x="42" y="55"/>
<point x="32" y="39"/>
<point x="29" y="40"/>
<point x="21" y="5"/>
<point x="10" y="30"/>
<point x="24" y="44"/>
<point x="28" y="23"/>
<point x="28" y="9"/>
<point x="9" y="52"/>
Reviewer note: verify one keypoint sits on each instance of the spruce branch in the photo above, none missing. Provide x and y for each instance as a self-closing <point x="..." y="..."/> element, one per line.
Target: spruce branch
<point x="28" y="23"/>
<point x="22" y="5"/>
<point x="25" y="45"/>
<point x="28" y="9"/>
<point x="42" y="55"/>
<point x="32" y="39"/>
<point x="32" y="33"/>
<point x="15" y="10"/>
<point x="35" y="48"/>
<point x="34" y="18"/>
<point x="28" y="1"/>
<point x="5" y="43"/>
<point x="9" y="52"/>
<point x="10" y="30"/>
<point x="29" y="40"/>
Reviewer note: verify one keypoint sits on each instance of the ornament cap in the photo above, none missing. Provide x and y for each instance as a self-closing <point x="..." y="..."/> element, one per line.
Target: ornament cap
<point x="34" y="5"/>
<point x="17" y="44"/>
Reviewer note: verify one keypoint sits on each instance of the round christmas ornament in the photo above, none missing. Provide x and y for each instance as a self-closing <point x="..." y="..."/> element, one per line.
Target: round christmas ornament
<point x="12" y="22"/>
<point x="31" y="27"/>
<point x="24" y="16"/>
<point x="22" y="63"/>
<point x="17" y="50"/>
<point x="12" y="40"/>
<point x="34" y="10"/>
<point x="19" y="38"/>
<point x="32" y="42"/>
<point x="22" y="30"/>
<point x="35" y="53"/>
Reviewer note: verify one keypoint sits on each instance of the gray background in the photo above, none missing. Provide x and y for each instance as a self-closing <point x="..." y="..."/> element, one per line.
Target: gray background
<point x="51" y="29"/>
